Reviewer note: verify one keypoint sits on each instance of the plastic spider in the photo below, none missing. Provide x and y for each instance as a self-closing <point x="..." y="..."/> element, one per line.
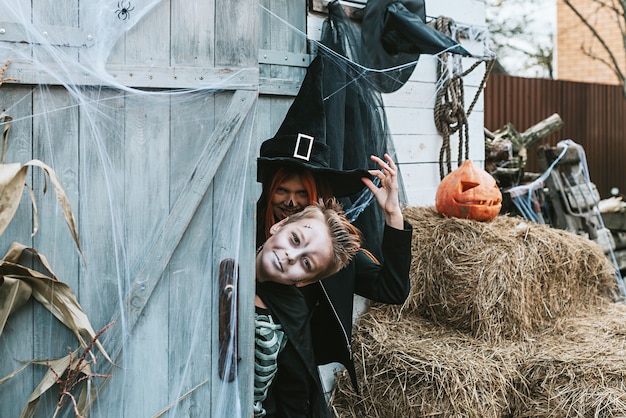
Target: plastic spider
<point x="123" y="12"/>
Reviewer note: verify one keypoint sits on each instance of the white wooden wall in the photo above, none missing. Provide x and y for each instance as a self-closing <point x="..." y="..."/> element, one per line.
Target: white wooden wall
<point x="410" y="110"/>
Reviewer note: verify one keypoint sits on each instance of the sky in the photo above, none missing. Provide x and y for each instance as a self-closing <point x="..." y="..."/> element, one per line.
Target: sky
<point x="542" y="16"/>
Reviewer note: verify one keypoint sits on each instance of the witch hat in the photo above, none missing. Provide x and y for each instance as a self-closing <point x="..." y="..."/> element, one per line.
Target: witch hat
<point x="395" y="34"/>
<point x="301" y="140"/>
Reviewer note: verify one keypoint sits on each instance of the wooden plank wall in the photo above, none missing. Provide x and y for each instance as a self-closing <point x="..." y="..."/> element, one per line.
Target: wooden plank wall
<point x="282" y="29"/>
<point x="594" y="116"/>
<point x="411" y="110"/>
<point x="35" y="139"/>
<point x="123" y="173"/>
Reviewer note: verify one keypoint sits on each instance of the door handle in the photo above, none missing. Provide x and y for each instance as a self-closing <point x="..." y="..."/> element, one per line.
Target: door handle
<point x="228" y="319"/>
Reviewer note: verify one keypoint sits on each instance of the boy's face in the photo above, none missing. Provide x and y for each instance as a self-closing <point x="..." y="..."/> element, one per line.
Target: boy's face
<point x="295" y="253"/>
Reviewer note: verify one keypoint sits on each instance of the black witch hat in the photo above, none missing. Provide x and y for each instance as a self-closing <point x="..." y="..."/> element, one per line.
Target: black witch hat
<point x="394" y="35"/>
<point x="301" y="140"/>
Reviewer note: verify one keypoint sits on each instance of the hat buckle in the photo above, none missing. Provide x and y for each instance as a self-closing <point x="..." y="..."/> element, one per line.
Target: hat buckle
<point x="296" y="151"/>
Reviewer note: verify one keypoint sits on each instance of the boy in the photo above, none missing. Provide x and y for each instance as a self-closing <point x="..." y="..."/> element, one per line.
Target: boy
<point x="302" y="249"/>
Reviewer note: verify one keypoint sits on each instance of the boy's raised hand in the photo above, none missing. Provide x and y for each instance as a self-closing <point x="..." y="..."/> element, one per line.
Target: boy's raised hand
<point x="387" y="194"/>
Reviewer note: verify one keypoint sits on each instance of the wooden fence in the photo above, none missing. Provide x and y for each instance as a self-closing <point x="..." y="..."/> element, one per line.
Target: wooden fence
<point x="594" y="116"/>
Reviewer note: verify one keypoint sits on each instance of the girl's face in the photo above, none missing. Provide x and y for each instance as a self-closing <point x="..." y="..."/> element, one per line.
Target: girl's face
<point x="290" y="197"/>
<point x="295" y="253"/>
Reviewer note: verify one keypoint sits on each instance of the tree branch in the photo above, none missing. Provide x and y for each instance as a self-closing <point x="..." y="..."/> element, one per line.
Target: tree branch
<point x="611" y="6"/>
<point x="614" y="65"/>
<point x="595" y="57"/>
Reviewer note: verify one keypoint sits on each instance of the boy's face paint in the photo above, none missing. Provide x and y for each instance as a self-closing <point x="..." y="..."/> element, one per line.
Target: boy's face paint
<point x="290" y="197"/>
<point x="295" y="253"/>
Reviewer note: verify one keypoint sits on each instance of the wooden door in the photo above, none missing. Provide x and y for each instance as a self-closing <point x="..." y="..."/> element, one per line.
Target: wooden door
<point x="146" y="112"/>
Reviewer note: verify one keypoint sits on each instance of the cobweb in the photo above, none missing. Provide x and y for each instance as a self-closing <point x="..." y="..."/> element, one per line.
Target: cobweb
<point x="125" y="142"/>
<point x="124" y="156"/>
<point x="356" y="120"/>
<point x="532" y="204"/>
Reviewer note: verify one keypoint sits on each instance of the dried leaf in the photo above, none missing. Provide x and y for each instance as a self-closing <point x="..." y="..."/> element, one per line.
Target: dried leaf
<point x="13" y="294"/>
<point x="53" y="294"/>
<point x="12" y="182"/>
<point x="31" y="194"/>
<point x="14" y="373"/>
<point x="15" y="252"/>
<point x="3" y="69"/>
<point x="59" y="299"/>
<point x="12" y="178"/>
<point x="68" y="373"/>
<point x="55" y="368"/>
<point x="61" y="197"/>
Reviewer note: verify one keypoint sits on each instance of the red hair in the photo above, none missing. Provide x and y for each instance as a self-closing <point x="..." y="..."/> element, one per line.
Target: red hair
<point x="282" y="175"/>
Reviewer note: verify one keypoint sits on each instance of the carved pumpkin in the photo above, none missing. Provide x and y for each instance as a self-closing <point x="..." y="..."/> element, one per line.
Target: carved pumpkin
<point x="469" y="192"/>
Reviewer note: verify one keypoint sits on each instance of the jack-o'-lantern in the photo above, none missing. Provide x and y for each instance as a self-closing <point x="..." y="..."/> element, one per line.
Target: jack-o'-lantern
<point x="469" y="192"/>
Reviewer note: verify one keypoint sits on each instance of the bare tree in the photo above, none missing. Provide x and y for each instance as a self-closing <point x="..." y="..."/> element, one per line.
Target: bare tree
<point x="512" y="28"/>
<point x="617" y="10"/>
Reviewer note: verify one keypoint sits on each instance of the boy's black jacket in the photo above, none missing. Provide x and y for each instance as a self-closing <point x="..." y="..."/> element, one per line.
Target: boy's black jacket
<point x="296" y="391"/>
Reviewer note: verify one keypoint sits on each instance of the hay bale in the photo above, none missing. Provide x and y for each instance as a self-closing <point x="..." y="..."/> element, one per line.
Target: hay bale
<point x="410" y="367"/>
<point x="578" y="369"/>
<point x="530" y="330"/>
<point x="504" y="279"/>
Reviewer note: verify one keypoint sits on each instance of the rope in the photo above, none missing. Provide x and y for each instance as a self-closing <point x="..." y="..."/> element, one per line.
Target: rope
<point x="450" y="115"/>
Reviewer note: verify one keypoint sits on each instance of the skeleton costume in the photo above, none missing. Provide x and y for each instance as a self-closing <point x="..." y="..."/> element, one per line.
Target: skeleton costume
<point x="286" y="380"/>
<point x="269" y="340"/>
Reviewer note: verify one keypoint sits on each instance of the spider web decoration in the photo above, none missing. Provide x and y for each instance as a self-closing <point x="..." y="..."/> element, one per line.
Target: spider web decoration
<point x="75" y="108"/>
<point x="78" y="105"/>
<point x="529" y="199"/>
<point x="356" y="119"/>
<point x="532" y="203"/>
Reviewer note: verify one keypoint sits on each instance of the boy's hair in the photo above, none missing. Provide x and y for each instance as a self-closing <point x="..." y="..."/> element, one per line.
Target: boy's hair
<point x="345" y="237"/>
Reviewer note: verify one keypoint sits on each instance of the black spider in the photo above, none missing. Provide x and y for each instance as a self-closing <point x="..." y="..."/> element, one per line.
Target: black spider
<point x="123" y="12"/>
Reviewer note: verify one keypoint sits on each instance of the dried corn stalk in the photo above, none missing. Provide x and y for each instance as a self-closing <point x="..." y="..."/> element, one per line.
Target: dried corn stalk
<point x="19" y="283"/>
